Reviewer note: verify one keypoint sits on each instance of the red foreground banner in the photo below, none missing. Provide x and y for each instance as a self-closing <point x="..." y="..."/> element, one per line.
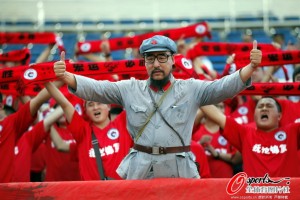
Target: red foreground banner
<point x="222" y="188"/>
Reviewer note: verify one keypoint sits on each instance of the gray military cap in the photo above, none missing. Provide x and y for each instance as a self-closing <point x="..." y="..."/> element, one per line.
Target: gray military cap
<point x="158" y="43"/>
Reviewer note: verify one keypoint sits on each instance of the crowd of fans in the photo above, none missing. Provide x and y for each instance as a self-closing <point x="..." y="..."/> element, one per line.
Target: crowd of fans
<point x="43" y="137"/>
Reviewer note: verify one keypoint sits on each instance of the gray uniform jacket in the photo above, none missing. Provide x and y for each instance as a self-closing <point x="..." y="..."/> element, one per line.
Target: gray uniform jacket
<point x="179" y="109"/>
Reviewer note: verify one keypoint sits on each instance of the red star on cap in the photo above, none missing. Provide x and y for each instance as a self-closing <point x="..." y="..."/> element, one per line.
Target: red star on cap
<point x="153" y="42"/>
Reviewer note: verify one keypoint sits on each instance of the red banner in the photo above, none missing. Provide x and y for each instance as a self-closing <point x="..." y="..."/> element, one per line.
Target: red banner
<point x="16" y="56"/>
<point x="156" y="189"/>
<point x="199" y="29"/>
<point x="42" y="72"/>
<point x="270" y="58"/>
<point x="13" y="74"/>
<point x="35" y="38"/>
<point x="273" y="89"/>
<point x="223" y="48"/>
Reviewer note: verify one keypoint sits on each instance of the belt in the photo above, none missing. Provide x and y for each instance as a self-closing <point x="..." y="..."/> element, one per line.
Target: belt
<point x="161" y="150"/>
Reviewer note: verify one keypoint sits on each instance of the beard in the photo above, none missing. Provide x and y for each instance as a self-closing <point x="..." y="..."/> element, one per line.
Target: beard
<point x="160" y="83"/>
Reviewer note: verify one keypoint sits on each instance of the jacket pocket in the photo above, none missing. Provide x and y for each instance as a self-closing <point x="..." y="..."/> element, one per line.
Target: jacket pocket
<point x="138" y="115"/>
<point x="178" y="113"/>
<point x="187" y="167"/>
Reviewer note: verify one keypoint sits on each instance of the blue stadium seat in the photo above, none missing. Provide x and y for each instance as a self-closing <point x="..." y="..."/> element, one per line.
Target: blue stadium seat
<point x="69" y="40"/>
<point x="117" y="34"/>
<point x="215" y="36"/>
<point x="60" y="22"/>
<point x="291" y="18"/>
<point x="146" y="21"/>
<point x="234" y="36"/>
<point x="263" y="39"/>
<point x="288" y="36"/>
<point x="169" y="20"/>
<point x="107" y="22"/>
<point x="92" y="36"/>
<point x="248" y="18"/>
<point x="88" y="22"/>
<point x="219" y="67"/>
<point x="212" y="19"/>
<point x="37" y="49"/>
<point x="12" y="47"/>
<point x="25" y="23"/>
<point x="218" y="59"/>
<point x="118" y="55"/>
<point x="127" y="21"/>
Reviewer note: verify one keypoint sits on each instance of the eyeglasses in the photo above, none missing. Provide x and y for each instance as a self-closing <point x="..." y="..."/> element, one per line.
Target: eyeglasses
<point x="161" y="58"/>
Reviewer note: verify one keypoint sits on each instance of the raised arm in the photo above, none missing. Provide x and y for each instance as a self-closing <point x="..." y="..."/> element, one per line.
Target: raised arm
<point x="214" y="114"/>
<point x="60" y="71"/>
<point x="59" y="143"/>
<point x="40" y="98"/>
<point x="61" y="100"/>
<point x="255" y="60"/>
<point x="45" y="54"/>
<point x="52" y="118"/>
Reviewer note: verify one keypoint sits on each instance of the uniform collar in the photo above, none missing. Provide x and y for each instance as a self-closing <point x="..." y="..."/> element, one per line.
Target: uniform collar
<point x="165" y="87"/>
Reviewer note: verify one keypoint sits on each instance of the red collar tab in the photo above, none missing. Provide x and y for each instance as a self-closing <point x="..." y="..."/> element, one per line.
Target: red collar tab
<point x="165" y="87"/>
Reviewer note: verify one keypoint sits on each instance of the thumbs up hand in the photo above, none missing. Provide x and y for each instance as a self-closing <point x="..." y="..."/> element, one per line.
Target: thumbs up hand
<point x="255" y="55"/>
<point x="60" y="66"/>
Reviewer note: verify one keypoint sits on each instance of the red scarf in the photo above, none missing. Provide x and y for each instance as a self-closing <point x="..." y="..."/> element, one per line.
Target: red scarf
<point x="19" y="89"/>
<point x="222" y="48"/>
<point x="8" y="75"/>
<point x="35" y="38"/>
<point x="23" y="80"/>
<point x="12" y="84"/>
<point x="42" y="72"/>
<point x="270" y="58"/>
<point x="22" y="56"/>
<point x="273" y="89"/>
<point x="200" y="29"/>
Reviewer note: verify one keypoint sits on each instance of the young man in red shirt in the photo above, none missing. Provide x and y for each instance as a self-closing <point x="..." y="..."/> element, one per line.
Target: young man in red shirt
<point x="11" y="129"/>
<point x="113" y="137"/>
<point x="29" y="143"/>
<point x="269" y="148"/>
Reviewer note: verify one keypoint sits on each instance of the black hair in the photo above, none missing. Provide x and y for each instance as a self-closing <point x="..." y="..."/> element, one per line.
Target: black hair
<point x="296" y="72"/>
<point x="276" y="102"/>
<point x="8" y="110"/>
<point x="276" y="35"/>
<point x="116" y="110"/>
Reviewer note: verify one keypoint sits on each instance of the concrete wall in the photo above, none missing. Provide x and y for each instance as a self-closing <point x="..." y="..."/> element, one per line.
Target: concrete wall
<point x="139" y="9"/>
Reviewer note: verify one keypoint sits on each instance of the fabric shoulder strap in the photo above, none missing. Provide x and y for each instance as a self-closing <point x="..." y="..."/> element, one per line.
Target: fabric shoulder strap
<point x="164" y="119"/>
<point x="155" y="109"/>
<point x="95" y="144"/>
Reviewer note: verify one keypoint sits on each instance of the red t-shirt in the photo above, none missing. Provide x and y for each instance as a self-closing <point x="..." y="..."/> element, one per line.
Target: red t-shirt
<point x="290" y="112"/>
<point x="27" y="144"/>
<point x="244" y="113"/>
<point x="218" y="168"/>
<point x="11" y="129"/>
<point x="60" y="165"/>
<point x="272" y="152"/>
<point x="201" y="159"/>
<point x="38" y="163"/>
<point x="114" y="143"/>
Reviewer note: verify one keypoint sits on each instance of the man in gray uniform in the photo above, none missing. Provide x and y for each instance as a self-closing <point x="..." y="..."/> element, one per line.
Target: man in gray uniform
<point x="160" y="110"/>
